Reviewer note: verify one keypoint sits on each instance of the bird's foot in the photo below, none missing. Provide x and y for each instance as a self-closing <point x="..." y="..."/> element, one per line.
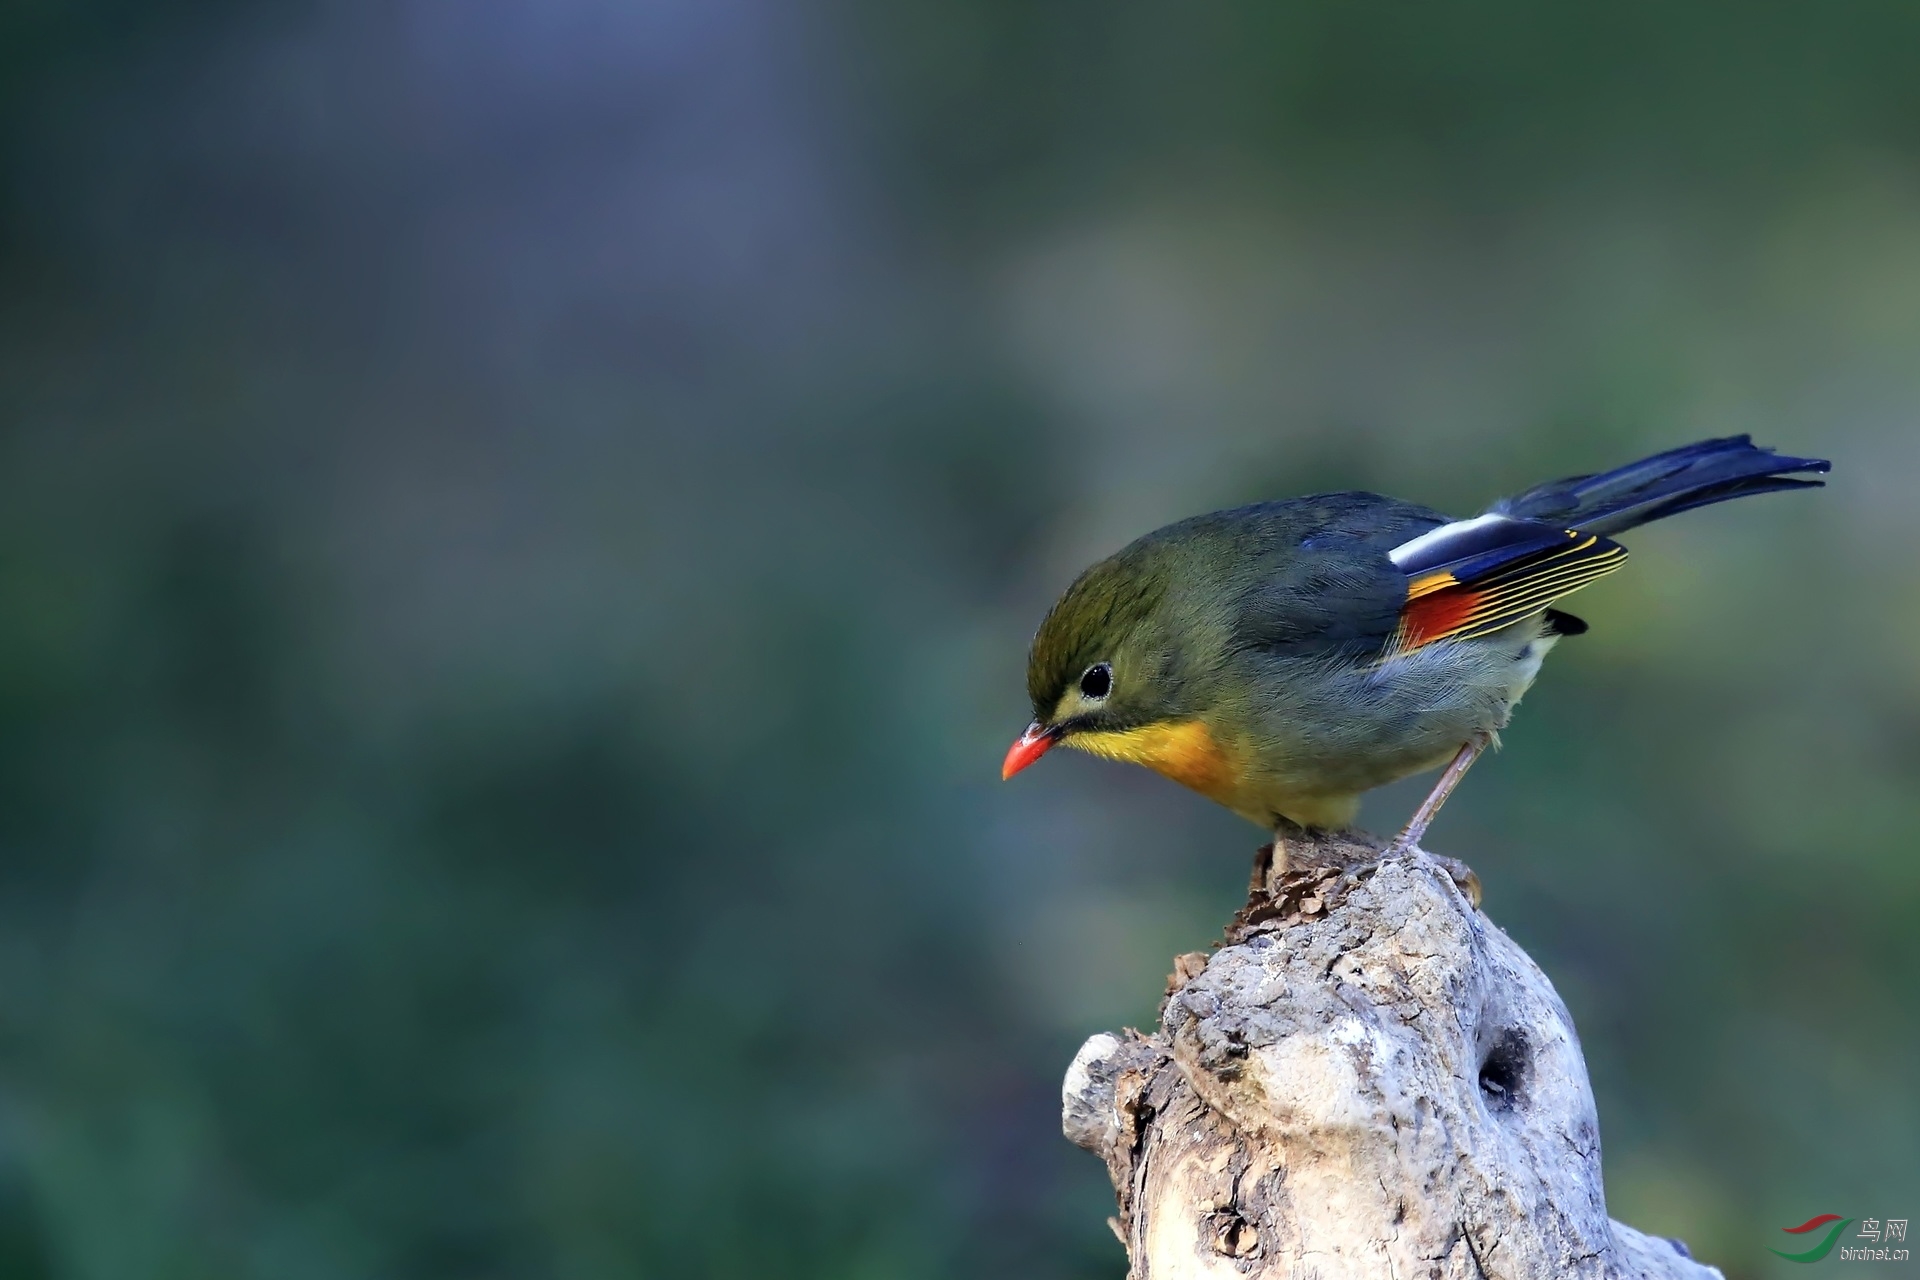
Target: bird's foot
<point x="1462" y="875"/>
<point x="1296" y="849"/>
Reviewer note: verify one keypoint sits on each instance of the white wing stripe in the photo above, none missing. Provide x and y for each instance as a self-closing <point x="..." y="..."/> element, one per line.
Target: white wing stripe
<point x="1432" y="538"/>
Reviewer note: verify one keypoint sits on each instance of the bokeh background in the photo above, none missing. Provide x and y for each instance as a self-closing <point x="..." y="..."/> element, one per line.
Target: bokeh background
<point x="521" y="521"/>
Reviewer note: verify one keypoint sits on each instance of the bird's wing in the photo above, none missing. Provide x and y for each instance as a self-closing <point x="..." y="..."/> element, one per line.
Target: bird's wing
<point x="1473" y="577"/>
<point x="1311" y="578"/>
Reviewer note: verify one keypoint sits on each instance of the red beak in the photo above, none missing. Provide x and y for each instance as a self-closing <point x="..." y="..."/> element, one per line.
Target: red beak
<point x="1027" y="748"/>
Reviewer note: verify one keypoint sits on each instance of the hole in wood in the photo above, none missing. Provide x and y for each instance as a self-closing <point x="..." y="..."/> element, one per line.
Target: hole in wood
<point x="1233" y="1235"/>
<point x="1503" y="1075"/>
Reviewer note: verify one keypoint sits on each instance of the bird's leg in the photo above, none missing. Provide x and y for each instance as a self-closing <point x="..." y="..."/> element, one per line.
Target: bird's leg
<point x="1430" y="807"/>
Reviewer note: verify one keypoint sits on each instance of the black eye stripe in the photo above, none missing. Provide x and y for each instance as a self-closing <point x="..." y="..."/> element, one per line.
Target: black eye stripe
<point x="1097" y="681"/>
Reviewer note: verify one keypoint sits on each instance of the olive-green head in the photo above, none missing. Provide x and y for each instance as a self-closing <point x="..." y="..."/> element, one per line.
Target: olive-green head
<point x="1108" y="657"/>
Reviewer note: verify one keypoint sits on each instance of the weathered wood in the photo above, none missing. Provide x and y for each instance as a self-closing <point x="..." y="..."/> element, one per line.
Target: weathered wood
<point x="1366" y="1079"/>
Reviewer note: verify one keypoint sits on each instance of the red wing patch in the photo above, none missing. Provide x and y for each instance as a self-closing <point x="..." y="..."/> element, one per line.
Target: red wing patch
<point x="1435" y="616"/>
<point x="1439" y="607"/>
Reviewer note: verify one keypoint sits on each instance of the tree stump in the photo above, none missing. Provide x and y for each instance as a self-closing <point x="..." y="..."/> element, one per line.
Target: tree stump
<point x="1366" y="1079"/>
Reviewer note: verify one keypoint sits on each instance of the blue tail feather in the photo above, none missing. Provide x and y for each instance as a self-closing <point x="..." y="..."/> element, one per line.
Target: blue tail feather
<point x="1665" y="484"/>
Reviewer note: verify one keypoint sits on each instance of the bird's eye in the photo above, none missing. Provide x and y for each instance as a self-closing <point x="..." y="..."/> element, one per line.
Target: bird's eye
<point x="1096" y="682"/>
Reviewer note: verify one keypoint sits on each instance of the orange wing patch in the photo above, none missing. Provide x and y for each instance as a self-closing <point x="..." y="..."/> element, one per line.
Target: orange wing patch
<point x="1428" y="583"/>
<point x="1439" y="607"/>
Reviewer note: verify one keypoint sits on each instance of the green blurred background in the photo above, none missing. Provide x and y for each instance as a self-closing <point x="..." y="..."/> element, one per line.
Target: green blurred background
<point x="522" y="520"/>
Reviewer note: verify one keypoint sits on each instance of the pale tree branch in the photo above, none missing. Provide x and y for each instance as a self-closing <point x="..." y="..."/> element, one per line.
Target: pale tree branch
<point x="1367" y="1079"/>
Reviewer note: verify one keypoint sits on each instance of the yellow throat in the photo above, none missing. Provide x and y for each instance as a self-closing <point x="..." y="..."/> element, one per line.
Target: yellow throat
<point x="1182" y="750"/>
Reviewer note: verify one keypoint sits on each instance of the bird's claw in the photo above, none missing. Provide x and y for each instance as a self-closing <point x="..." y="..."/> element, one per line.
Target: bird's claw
<point x="1462" y="875"/>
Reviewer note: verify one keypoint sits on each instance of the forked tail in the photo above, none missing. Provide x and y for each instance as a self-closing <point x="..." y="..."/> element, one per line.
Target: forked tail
<point x="1665" y="484"/>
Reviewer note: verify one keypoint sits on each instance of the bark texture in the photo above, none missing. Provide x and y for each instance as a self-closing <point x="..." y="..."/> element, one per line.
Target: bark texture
<point x="1366" y="1079"/>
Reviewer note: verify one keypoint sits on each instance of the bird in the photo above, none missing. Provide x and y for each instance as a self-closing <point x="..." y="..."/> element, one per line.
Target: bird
<point x="1284" y="658"/>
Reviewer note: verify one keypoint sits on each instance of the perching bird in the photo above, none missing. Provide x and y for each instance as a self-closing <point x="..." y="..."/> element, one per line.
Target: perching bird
<point x="1285" y="657"/>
